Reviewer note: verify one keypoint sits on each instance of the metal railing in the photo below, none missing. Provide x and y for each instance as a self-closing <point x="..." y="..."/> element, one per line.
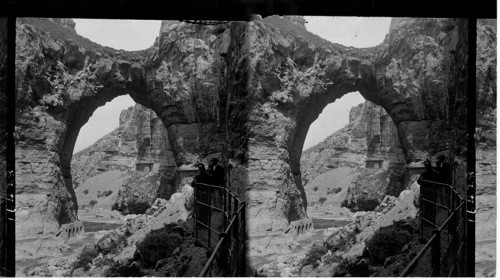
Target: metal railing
<point x="7" y="225"/>
<point x="220" y="227"/>
<point x="443" y="222"/>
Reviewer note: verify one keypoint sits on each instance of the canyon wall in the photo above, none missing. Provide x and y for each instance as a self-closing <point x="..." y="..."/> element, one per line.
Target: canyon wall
<point x="486" y="148"/>
<point x="251" y="90"/>
<point x="140" y="150"/>
<point x="369" y="146"/>
<point x="296" y="74"/>
<point x="62" y="78"/>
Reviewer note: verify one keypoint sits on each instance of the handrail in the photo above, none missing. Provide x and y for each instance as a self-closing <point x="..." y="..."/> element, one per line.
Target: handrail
<point x="434" y="241"/>
<point x="219" y="244"/>
<point x="233" y="211"/>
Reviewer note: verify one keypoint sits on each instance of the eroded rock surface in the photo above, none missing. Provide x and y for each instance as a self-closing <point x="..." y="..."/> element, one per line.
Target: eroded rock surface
<point x="62" y="78"/>
<point x="250" y="90"/>
<point x="296" y="74"/>
<point x="486" y="151"/>
<point x="369" y="146"/>
<point x="139" y="148"/>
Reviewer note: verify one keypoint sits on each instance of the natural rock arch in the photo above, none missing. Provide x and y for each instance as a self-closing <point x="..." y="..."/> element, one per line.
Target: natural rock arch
<point x="63" y="78"/>
<point x="296" y="74"/>
<point x="252" y="88"/>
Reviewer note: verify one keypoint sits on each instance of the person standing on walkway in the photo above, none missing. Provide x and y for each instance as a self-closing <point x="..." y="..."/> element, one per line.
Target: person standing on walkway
<point x="217" y="172"/>
<point x="443" y="170"/>
<point x="428" y="194"/>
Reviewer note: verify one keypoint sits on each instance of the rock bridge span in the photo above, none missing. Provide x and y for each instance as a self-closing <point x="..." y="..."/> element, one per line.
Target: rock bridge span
<point x="254" y="88"/>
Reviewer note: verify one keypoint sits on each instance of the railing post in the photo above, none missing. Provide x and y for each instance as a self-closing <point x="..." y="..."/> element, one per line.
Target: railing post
<point x="236" y="206"/>
<point x="224" y="215"/>
<point x="422" y="211"/>
<point x="242" y="254"/>
<point x="195" y="209"/>
<point x="436" y="254"/>
<point x="434" y="198"/>
<point x="209" y="215"/>
<point x="229" y="200"/>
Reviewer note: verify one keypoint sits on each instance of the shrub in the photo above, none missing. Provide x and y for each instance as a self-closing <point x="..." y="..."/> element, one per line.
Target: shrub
<point x="314" y="255"/>
<point x="86" y="192"/>
<point x="322" y="200"/>
<point x="84" y="260"/>
<point x="157" y="245"/>
<point x="105" y="193"/>
<point x="387" y="242"/>
<point x="367" y="204"/>
<point x="92" y="203"/>
<point x="315" y="189"/>
<point x="120" y="270"/>
<point x="334" y="190"/>
<point x="354" y="268"/>
<point x="339" y="242"/>
<point x="112" y="246"/>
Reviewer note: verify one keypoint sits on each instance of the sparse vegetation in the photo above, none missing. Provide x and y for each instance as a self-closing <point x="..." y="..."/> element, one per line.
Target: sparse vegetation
<point x="84" y="260"/>
<point x="334" y="190"/>
<point x="340" y="243"/>
<point x="131" y="205"/>
<point x="314" y="255"/>
<point x="112" y="246"/>
<point x="388" y="241"/>
<point x="157" y="245"/>
<point x="104" y="193"/>
<point x="123" y="270"/>
<point x="322" y="200"/>
<point x="92" y="203"/>
<point x="315" y="188"/>
<point x="85" y="192"/>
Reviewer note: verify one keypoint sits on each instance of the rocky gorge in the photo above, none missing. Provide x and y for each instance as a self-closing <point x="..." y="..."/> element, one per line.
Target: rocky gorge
<point x="249" y="91"/>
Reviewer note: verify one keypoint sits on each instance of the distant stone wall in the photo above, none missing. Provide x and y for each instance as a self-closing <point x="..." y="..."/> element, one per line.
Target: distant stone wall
<point x="71" y="230"/>
<point x="301" y="226"/>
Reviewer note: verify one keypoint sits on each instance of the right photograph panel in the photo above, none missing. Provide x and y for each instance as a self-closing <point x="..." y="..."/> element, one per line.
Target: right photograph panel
<point x="358" y="152"/>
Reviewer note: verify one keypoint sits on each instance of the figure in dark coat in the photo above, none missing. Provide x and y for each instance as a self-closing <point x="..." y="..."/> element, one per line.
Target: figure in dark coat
<point x="217" y="172"/>
<point x="201" y="193"/>
<point x="443" y="170"/>
<point x="428" y="191"/>
<point x="203" y="176"/>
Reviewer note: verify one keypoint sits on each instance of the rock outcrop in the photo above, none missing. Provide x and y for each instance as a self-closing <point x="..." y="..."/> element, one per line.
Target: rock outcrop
<point x="139" y="148"/>
<point x="62" y="78"/>
<point x="486" y="149"/>
<point x="249" y="90"/>
<point x="369" y="145"/>
<point x="414" y="75"/>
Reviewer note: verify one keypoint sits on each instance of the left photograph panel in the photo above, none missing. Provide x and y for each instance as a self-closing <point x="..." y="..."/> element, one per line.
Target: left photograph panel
<point x="117" y="127"/>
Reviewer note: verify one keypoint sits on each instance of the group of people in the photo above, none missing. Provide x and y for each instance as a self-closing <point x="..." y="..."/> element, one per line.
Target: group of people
<point x="441" y="173"/>
<point x="214" y="175"/>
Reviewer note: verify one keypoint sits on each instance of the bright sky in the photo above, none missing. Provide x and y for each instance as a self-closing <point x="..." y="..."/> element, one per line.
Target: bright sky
<point x="133" y="35"/>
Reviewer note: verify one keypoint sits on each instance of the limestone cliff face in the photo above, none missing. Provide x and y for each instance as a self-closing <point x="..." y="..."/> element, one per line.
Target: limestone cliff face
<point x="248" y="91"/>
<point x="62" y="78"/>
<point x="139" y="148"/>
<point x="369" y="139"/>
<point x="486" y="147"/>
<point x="296" y="74"/>
<point x="370" y="134"/>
